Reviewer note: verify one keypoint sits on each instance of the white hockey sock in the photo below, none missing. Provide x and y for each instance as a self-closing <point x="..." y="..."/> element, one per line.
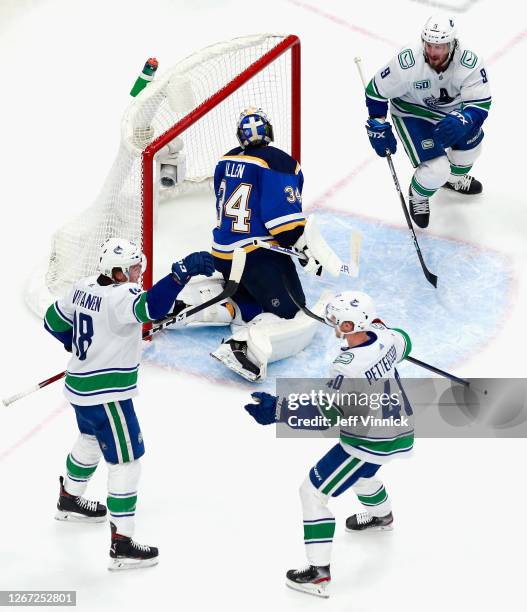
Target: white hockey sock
<point x="81" y="464"/>
<point x="373" y="496"/>
<point x="123" y="479"/>
<point x="319" y="524"/>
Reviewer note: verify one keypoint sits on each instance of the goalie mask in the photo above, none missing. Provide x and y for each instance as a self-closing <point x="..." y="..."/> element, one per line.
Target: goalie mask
<point x="120" y="253"/>
<point x="254" y="128"/>
<point x="350" y="306"/>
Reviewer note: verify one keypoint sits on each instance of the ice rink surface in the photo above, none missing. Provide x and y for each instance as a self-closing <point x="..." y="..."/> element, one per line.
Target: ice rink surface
<point x="219" y="493"/>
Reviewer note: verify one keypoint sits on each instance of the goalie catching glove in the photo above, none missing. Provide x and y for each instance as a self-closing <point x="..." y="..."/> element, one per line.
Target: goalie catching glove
<point x="320" y="256"/>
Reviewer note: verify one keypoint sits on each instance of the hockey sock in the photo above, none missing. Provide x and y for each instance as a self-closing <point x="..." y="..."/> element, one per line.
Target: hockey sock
<point x="81" y="463"/>
<point x="123" y="479"/>
<point x="373" y="496"/>
<point x="457" y="171"/>
<point x="319" y="524"/>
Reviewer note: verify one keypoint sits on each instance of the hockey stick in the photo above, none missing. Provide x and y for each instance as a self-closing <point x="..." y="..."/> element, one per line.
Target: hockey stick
<point x="350" y="269"/>
<point x="430" y="277"/>
<point x="238" y="265"/>
<point x="413" y="360"/>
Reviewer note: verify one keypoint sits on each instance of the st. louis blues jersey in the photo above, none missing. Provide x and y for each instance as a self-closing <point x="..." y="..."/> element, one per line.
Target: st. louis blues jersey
<point x="415" y="89"/>
<point x="258" y="195"/>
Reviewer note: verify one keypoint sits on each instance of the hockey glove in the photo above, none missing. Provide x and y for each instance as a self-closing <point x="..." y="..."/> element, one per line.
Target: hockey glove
<point x="192" y="265"/>
<point x="381" y="136"/>
<point x="264" y="410"/>
<point x="453" y="128"/>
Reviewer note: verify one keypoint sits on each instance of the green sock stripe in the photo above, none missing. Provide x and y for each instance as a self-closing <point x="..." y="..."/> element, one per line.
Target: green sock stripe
<point x="408" y="341"/>
<point x="423" y="191"/>
<point x="121" y="504"/>
<point x="120" y="431"/>
<point x="319" y="531"/>
<point x="459" y="170"/>
<point x="353" y="463"/>
<point x="374" y="500"/>
<point x="79" y="471"/>
<point x="407" y="143"/>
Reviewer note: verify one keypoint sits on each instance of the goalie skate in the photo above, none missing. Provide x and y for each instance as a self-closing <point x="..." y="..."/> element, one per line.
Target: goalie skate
<point x="233" y="354"/>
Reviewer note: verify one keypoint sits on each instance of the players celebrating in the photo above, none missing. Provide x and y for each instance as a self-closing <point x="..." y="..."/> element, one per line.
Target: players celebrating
<point x="369" y="359"/>
<point x="100" y="323"/>
<point x="440" y="97"/>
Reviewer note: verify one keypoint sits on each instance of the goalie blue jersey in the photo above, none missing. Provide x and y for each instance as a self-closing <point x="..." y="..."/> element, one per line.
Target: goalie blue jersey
<point x="258" y="195"/>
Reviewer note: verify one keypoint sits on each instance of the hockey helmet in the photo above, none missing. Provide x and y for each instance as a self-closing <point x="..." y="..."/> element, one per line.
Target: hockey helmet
<point x="350" y="306"/>
<point x="120" y="253"/>
<point x="440" y="30"/>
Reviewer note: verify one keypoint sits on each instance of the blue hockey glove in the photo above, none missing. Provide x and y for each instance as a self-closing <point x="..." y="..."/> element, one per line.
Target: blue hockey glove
<point x="381" y="136"/>
<point x="192" y="265"/>
<point x="453" y="128"/>
<point x="263" y="410"/>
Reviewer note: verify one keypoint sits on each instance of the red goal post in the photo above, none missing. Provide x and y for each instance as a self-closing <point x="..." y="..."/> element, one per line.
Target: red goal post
<point x="197" y="102"/>
<point x="289" y="43"/>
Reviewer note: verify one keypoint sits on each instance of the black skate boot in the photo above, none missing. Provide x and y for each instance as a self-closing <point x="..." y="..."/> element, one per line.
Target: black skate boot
<point x="233" y="354"/>
<point x="78" y="509"/>
<point x="364" y="520"/>
<point x="419" y="209"/>
<point x="313" y="579"/>
<point x="127" y="554"/>
<point x="466" y="185"/>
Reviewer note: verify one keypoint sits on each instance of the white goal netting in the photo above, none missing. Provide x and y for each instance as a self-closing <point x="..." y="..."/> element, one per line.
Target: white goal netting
<point x="118" y="210"/>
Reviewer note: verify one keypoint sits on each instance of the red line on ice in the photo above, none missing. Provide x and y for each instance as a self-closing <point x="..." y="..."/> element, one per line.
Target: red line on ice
<point x="33" y="432"/>
<point x="343" y="22"/>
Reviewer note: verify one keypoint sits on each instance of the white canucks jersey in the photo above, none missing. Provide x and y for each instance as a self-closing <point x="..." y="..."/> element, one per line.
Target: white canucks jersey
<point x="106" y="322"/>
<point x="383" y="430"/>
<point x="415" y="89"/>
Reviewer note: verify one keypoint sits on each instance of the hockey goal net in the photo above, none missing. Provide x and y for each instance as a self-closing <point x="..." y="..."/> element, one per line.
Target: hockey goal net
<point x="198" y="101"/>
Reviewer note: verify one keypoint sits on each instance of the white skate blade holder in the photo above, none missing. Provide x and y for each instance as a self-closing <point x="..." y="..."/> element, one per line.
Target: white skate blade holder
<point x="318" y="590"/>
<point x="125" y="563"/>
<point x="75" y="517"/>
<point x="371" y="529"/>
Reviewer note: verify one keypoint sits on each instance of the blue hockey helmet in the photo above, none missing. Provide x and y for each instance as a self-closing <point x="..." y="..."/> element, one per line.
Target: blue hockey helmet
<point x="254" y="128"/>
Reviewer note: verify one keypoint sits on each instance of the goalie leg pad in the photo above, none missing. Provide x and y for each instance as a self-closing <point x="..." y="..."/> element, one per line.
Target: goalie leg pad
<point x="266" y="339"/>
<point x="199" y="292"/>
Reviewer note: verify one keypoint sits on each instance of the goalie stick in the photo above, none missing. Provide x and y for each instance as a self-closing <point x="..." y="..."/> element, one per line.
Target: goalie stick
<point x="350" y="269"/>
<point x="430" y="277"/>
<point x="231" y="286"/>
<point x="413" y="360"/>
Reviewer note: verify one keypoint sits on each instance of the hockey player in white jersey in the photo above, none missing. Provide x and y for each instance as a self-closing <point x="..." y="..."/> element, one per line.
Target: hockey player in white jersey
<point x="100" y="323"/>
<point x="368" y="359"/>
<point x="440" y="97"/>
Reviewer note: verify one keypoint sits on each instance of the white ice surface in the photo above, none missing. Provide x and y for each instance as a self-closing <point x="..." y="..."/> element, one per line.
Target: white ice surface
<point x="219" y="493"/>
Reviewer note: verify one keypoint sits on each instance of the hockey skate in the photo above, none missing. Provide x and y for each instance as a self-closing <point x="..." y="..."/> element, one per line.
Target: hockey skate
<point x="127" y="554"/>
<point x="78" y="509"/>
<point x="419" y="209"/>
<point x="313" y="579"/>
<point x="466" y="185"/>
<point x="233" y="354"/>
<point x="365" y="521"/>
